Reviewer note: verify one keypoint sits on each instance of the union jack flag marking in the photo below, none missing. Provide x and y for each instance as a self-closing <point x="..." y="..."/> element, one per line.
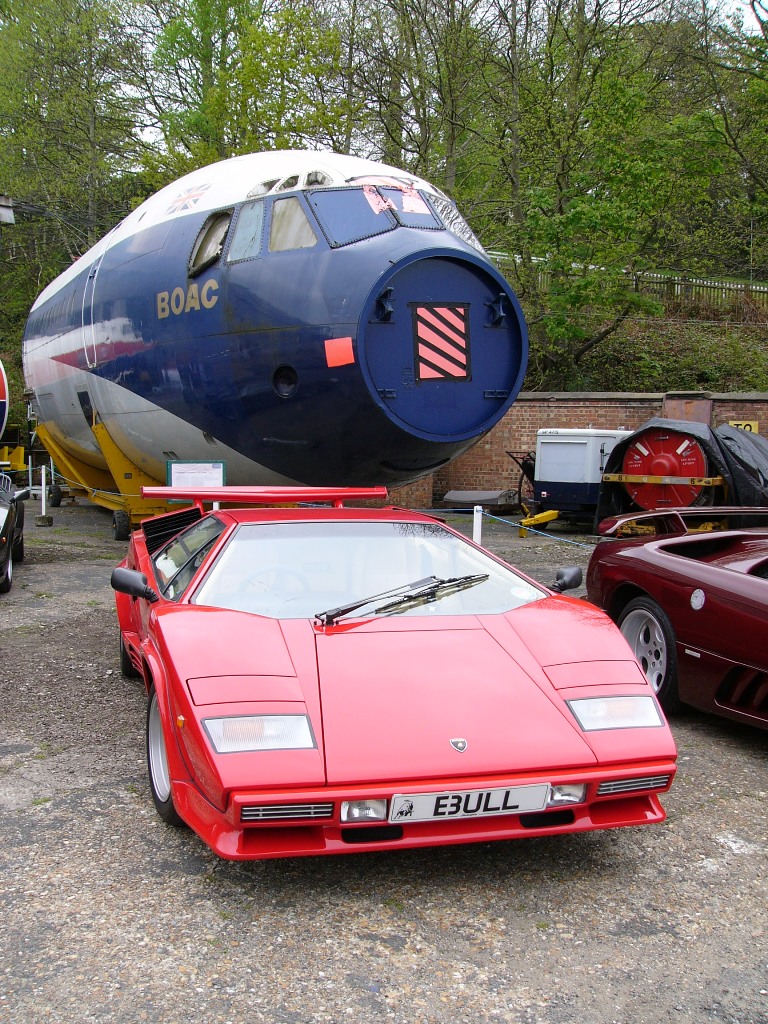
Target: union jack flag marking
<point x="188" y="198"/>
<point x="441" y="341"/>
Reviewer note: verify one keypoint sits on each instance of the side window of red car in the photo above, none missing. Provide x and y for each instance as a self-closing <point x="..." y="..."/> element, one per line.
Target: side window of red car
<point x="177" y="562"/>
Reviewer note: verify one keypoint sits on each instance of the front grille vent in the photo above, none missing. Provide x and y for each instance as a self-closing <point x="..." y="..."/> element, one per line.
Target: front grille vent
<point x="630" y="785"/>
<point x="285" y="812"/>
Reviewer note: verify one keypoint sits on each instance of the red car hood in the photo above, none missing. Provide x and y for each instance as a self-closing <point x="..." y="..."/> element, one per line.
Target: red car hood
<point x="395" y="692"/>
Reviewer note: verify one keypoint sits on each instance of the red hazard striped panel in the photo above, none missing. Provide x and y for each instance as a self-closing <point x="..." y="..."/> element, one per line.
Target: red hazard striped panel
<point x="441" y="340"/>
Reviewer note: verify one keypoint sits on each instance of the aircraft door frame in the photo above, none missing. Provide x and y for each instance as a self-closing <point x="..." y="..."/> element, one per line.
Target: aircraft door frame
<point x="89" y="333"/>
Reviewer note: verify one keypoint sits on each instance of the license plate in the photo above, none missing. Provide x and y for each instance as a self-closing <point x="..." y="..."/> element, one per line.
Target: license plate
<point x="471" y="803"/>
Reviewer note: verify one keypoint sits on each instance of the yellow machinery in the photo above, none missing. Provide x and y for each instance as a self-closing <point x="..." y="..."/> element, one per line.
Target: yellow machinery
<point x="12" y="460"/>
<point x="540" y="520"/>
<point x="117" y="488"/>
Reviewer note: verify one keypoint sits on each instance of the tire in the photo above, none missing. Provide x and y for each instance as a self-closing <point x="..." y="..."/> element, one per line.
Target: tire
<point x="648" y="631"/>
<point x="157" y="764"/>
<point x="121" y="525"/>
<point x="7" y="581"/>
<point x="524" y="491"/>
<point x="126" y="665"/>
<point x="54" y="495"/>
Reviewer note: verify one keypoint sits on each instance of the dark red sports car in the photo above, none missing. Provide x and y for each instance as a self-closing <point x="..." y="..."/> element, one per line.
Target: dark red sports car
<point x="688" y="588"/>
<point x="326" y="679"/>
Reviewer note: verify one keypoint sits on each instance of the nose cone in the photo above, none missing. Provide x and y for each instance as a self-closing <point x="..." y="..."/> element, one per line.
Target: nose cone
<point x="443" y="345"/>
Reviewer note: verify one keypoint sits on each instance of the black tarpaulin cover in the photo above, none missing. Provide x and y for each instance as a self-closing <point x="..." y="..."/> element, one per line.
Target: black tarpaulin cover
<point x="747" y="455"/>
<point x="740" y="457"/>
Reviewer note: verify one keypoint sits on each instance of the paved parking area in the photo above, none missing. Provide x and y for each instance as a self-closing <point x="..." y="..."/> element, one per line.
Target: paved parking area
<point x="108" y="915"/>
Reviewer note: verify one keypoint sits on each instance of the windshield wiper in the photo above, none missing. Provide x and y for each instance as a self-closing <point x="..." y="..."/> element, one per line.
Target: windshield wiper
<point x="328" y="618"/>
<point x="433" y="590"/>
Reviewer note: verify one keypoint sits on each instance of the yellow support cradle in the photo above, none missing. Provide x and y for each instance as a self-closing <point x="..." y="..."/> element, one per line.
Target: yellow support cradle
<point x="117" y="488"/>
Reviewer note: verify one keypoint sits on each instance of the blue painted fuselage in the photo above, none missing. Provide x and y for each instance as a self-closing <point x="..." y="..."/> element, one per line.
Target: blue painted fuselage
<point x="344" y="334"/>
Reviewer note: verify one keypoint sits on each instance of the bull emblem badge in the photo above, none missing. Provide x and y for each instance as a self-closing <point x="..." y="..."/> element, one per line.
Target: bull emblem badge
<point x="459" y="744"/>
<point x="405" y="810"/>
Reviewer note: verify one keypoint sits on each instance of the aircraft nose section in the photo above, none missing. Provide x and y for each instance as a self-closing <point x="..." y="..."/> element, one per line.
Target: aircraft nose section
<point x="443" y="345"/>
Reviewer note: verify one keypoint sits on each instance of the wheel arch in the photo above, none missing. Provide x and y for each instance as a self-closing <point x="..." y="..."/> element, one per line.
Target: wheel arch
<point x="123" y="609"/>
<point x="621" y="597"/>
<point x="155" y="676"/>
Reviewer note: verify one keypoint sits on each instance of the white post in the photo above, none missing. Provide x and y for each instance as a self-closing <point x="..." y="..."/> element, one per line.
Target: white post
<point x="44" y="489"/>
<point x="477" y="525"/>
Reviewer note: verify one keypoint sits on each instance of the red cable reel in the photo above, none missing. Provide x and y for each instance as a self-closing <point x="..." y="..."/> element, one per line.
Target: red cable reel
<point x="664" y="453"/>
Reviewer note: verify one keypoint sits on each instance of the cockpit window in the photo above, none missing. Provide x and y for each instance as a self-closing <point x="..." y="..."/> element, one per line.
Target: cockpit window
<point x="246" y="240"/>
<point x="310" y="180"/>
<point x="210" y="242"/>
<point x="288" y="183"/>
<point x="351" y="214"/>
<point x="290" y="228"/>
<point x="410" y="208"/>
<point x="454" y="221"/>
<point x="317" y="178"/>
<point x="262" y="188"/>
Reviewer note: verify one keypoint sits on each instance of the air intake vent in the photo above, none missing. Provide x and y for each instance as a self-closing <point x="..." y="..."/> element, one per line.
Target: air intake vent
<point x="158" y="531"/>
<point x="632" y="785"/>
<point x="744" y="689"/>
<point x="286" y="812"/>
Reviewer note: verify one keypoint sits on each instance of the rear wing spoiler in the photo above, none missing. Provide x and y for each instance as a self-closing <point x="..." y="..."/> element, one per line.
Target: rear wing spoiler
<point x="265" y="495"/>
<point x="679" y="521"/>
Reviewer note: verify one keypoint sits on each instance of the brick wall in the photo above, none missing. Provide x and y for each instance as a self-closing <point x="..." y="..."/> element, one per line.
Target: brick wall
<point x="415" y="495"/>
<point x="487" y="467"/>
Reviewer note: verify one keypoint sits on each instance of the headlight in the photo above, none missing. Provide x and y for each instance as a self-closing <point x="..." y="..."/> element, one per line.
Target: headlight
<point x="594" y="713"/>
<point x="562" y="796"/>
<point x="259" y="732"/>
<point x="364" y="810"/>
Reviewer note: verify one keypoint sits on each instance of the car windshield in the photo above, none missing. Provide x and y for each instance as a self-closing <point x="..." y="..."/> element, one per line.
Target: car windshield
<point x="300" y="570"/>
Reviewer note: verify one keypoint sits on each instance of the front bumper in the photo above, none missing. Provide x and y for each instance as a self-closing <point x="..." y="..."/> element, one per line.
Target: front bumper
<point x="302" y="823"/>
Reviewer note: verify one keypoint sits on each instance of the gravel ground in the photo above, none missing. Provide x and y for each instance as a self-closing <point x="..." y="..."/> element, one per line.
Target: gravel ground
<point x="107" y="914"/>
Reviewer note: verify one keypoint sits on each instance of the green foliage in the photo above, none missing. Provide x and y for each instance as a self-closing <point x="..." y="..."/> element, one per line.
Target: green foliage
<point x="66" y="140"/>
<point x="599" y="162"/>
<point x="68" y="123"/>
<point x="289" y="80"/>
<point x="233" y="77"/>
<point x="682" y="355"/>
<point x="588" y="143"/>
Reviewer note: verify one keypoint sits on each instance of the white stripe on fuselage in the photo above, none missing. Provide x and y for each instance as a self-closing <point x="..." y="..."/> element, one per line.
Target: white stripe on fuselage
<point x="147" y="434"/>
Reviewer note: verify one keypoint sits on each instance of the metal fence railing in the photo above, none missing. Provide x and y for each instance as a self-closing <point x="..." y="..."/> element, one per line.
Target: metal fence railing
<point x="682" y="289"/>
<point x="710" y="291"/>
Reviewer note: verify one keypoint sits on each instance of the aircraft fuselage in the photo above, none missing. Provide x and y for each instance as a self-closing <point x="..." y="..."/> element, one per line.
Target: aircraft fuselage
<point x="305" y="317"/>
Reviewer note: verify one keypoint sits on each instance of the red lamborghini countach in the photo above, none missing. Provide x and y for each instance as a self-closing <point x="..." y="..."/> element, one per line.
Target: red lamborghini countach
<point x="327" y="679"/>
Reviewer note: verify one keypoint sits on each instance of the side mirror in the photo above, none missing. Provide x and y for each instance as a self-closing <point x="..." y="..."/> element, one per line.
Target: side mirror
<point x="568" y="578"/>
<point x="132" y="583"/>
<point x="21" y="495"/>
